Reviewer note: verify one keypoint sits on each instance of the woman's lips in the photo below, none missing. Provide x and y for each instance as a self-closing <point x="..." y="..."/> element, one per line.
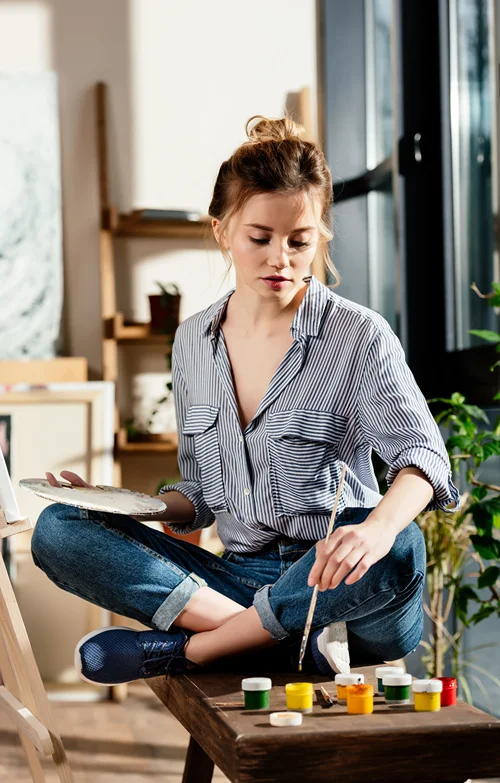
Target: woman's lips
<point x="275" y="282"/>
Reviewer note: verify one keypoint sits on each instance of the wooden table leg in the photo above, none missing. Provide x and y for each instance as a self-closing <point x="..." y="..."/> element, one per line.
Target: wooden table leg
<point x="198" y="768"/>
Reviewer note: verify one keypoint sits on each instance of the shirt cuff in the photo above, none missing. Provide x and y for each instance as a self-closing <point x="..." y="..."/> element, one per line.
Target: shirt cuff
<point x="437" y="471"/>
<point x="204" y="517"/>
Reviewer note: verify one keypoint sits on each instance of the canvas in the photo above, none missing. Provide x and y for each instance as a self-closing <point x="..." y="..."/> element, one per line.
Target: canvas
<point x="31" y="275"/>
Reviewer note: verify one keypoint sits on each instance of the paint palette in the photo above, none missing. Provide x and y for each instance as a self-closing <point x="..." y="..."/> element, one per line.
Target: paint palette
<point x="113" y="500"/>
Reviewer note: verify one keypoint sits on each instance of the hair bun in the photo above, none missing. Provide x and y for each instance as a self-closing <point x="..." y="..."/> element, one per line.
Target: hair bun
<point x="273" y="130"/>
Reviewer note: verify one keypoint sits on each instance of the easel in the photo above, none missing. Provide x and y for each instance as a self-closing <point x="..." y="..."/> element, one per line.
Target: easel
<point x="22" y="696"/>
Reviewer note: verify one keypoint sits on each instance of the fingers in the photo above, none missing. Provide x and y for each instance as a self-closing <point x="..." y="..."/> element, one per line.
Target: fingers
<point x="346" y="550"/>
<point x="364" y="564"/>
<point x="337" y="563"/>
<point x="74" y="478"/>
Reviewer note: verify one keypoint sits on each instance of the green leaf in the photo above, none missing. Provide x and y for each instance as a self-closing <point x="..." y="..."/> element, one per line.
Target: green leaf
<point x="462" y="597"/>
<point x="478" y="493"/>
<point x="483" y="613"/>
<point x="486" y="546"/>
<point x="488" y="577"/>
<point x="486" y="334"/>
<point x="476" y="413"/>
<point x="491" y="448"/>
<point x="462" y="442"/>
<point x="496" y="520"/>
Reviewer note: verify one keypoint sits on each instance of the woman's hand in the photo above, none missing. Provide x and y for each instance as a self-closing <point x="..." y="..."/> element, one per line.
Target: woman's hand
<point x="350" y="546"/>
<point x="73" y="478"/>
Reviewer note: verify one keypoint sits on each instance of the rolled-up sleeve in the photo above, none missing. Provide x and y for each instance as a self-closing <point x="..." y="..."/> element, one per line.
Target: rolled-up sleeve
<point x="190" y="486"/>
<point x="395" y="419"/>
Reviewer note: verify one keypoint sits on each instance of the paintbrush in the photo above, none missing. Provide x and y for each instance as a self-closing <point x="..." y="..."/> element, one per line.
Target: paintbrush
<point x="316" y="587"/>
<point x="326" y="696"/>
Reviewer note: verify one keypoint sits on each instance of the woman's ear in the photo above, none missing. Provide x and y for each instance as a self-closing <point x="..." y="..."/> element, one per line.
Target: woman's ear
<point x="219" y="235"/>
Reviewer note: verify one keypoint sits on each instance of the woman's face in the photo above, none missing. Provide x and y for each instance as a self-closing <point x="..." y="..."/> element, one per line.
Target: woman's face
<point x="272" y="241"/>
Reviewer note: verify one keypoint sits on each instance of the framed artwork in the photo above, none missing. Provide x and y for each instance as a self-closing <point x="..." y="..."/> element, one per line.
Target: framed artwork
<point x="60" y="426"/>
<point x="30" y="204"/>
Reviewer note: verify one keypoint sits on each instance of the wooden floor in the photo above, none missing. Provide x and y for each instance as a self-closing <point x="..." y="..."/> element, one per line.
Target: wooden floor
<point x="133" y="742"/>
<point x="106" y="742"/>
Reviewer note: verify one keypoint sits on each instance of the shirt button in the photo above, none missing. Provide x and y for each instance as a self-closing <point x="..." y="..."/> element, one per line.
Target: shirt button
<point x="246" y="491"/>
<point x="241" y="438"/>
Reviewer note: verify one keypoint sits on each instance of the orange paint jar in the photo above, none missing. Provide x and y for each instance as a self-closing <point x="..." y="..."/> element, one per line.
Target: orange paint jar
<point x="359" y="699"/>
<point x="343" y="680"/>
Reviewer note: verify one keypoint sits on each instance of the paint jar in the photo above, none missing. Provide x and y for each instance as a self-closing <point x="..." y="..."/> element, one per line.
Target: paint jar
<point x="397" y="688"/>
<point x="257" y="692"/>
<point x="359" y="699"/>
<point x="427" y="695"/>
<point x="381" y="670"/>
<point x="285" y="719"/>
<point x="299" y="696"/>
<point x="449" y="692"/>
<point x="343" y="680"/>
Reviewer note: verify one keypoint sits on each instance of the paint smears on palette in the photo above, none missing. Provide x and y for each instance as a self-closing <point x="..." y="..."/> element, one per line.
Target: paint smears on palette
<point x="113" y="500"/>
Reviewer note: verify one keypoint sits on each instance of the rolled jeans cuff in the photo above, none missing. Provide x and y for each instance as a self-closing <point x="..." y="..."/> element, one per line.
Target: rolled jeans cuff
<point x="173" y="605"/>
<point x="266" y="614"/>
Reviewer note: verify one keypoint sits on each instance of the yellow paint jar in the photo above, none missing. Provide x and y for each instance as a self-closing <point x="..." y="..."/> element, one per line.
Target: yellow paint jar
<point x="343" y="680"/>
<point x="359" y="699"/>
<point x="427" y="695"/>
<point x="299" y="696"/>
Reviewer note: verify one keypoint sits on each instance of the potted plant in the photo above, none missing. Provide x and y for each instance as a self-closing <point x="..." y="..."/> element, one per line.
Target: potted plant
<point x="463" y="548"/>
<point x="165" y="307"/>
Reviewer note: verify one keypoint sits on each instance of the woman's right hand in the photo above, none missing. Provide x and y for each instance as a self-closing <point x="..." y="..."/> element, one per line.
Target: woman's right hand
<point x="73" y="478"/>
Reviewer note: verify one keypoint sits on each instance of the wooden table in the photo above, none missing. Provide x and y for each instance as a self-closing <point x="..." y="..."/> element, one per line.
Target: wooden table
<point x="393" y="744"/>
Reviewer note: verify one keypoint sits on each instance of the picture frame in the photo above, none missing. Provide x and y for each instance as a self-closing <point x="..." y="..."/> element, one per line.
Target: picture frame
<point x="58" y="426"/>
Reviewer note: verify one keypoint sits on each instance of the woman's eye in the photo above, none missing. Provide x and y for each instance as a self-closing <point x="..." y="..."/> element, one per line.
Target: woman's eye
<point x="264" y="241"/>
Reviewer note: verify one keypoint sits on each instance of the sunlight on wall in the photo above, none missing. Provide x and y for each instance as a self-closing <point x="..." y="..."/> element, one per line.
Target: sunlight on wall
<point x="25" y="37"/>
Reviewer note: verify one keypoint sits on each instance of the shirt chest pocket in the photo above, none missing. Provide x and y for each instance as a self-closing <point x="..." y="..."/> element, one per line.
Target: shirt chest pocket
<point x="303" y="449"/>
<point x="201" y="425"/>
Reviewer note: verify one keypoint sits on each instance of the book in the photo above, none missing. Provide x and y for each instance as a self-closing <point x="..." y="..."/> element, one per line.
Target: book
<point x="166" y="214"/>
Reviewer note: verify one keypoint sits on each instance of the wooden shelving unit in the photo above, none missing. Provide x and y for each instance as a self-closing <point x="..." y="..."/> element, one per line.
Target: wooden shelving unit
<point x="116" y="331"/>
<point x="165" y="446"/>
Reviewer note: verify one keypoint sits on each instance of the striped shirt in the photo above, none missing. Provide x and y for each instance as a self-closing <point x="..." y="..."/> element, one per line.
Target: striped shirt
<point x="342" y="389"/>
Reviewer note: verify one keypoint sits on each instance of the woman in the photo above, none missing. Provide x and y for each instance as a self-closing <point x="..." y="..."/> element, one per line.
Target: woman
<point x="276" y="385"/>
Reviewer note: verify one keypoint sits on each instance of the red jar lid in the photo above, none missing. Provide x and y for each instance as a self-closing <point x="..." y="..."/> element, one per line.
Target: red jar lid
<point x="448" y="682"/>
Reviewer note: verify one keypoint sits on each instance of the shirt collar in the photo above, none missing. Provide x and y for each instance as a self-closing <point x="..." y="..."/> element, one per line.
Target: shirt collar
<point x="307" y="319"/>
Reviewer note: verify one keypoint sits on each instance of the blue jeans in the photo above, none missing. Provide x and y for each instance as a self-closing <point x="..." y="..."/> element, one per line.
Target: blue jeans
<point x="122" y="565"/>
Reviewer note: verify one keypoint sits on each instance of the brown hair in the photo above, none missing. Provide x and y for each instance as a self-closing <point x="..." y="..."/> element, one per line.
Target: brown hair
<point x="275" y="160"/>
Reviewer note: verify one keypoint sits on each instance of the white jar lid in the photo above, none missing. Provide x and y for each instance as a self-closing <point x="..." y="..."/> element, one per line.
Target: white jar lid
<point x="285" y="718"/>
<point x="397" y="679"/>
<point x="427" y="686"/>
<point x="349" y="679"/>
<point x="256" y="684"/>
<point x="381" y="670"/>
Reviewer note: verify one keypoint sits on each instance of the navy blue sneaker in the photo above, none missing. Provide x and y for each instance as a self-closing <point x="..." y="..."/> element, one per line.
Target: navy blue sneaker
<point x="113" y="655"/>
<point x="330" y="649"/>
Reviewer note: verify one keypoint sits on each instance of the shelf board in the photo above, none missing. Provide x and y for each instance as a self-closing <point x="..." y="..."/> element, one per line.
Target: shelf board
<point x="132" y="225"/>
<point x="134" y="332"/>
<point x="141" y="334"/>
<point x="125" y="446"/>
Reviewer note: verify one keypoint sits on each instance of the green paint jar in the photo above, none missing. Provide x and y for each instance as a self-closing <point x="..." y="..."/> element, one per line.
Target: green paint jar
<point x="379" y="673"/>
<point x="257" y="692"/>
<point x="397" y="688"/>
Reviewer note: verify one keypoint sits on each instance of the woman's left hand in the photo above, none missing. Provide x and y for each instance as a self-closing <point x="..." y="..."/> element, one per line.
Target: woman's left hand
<point x="350" y="546"/>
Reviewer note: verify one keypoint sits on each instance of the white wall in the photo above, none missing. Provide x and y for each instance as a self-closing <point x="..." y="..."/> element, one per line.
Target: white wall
<point x="184" y="77"/>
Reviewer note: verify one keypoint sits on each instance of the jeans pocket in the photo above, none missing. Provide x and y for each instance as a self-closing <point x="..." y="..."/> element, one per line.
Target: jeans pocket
<point x="303" y="447"/>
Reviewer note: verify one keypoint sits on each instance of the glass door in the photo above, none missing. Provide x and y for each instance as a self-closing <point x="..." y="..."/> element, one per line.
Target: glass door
<point x="473" y="90"/>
